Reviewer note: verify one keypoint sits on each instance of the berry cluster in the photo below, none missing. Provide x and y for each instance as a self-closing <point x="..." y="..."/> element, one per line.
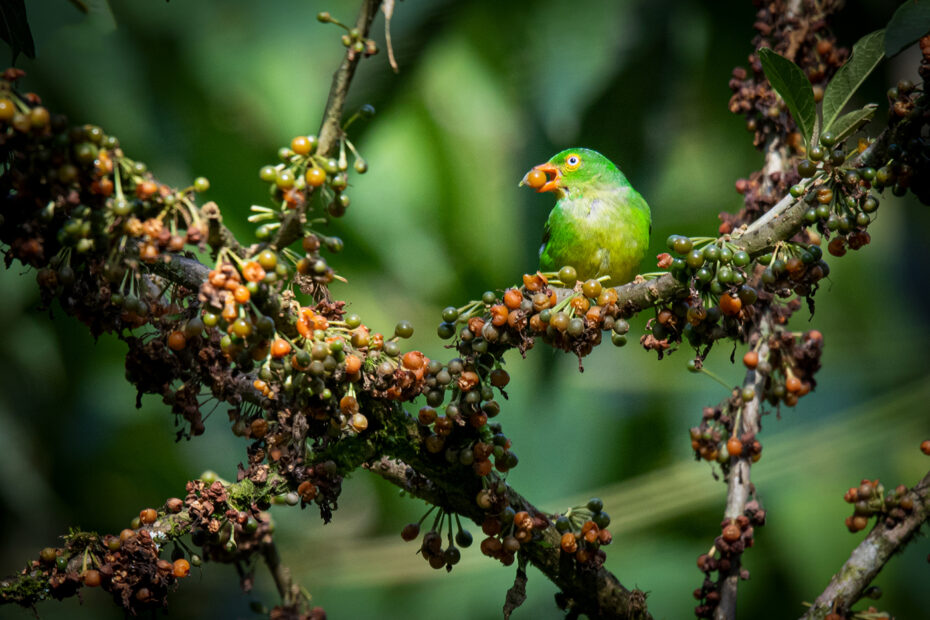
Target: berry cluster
<point x="715" y="438"/>
<point x="736" y="536"/>
<point x="869" y="500"/>
<point x="431" y="547"/>
<point x="753" y="97"/>
<point x="352" y="39"/>
<point x="572" y="323"/>
<point x="717" y="272"/>
<point x="506" y="529"/>
<point x="127" y="566"/>
<point x="584" y="531"/>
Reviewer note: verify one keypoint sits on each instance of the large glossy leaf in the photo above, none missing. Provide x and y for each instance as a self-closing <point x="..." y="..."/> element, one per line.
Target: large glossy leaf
<point x="847" y="124"/>
<point x="14" y="28"/>
<point x="867" y="53"/>
<point x="790" y="82"/>
<point x="910" y="22"/>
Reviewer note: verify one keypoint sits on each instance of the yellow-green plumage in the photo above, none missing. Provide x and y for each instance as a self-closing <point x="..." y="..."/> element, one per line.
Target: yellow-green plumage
<point x="600" y="224"/>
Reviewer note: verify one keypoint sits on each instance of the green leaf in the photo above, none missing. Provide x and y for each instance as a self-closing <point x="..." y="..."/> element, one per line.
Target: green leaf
<point x="847" y="124"/>
<point x="867" y="53"/>
<point x="790" y="82"/>
<point x="14" y="28"/>
<point x="910" y="22"/>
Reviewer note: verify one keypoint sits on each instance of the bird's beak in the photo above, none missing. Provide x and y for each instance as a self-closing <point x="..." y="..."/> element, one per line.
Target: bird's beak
<point x="553" y="175"/>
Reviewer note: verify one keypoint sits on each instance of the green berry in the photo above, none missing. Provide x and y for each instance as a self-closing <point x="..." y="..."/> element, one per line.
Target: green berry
<point x="568" y="275"/>
<point x="450" y="314"/>
<point x="816" y="153"/>
<point x="741" y="258"/>
<point x="595" y="504"/>
<point x="682" y="245"/>
<point x="806" y="168"/>
<point x="268" y="174"/>
<point x="695" y="259"/>
<point x="828" y="139"/>
<point x="711" y="253"/>
<point x="201" y="184"/>
<point x="403" y="329"/>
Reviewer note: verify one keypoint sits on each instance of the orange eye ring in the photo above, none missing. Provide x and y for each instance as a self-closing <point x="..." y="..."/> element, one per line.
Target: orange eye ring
<point x="572" y="162"/>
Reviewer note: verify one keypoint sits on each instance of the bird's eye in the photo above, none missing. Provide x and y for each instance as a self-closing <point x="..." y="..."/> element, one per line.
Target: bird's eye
<point x="572" y="162"/>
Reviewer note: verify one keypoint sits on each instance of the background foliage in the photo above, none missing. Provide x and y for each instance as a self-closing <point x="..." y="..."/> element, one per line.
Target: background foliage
<point x="486" y="90"/>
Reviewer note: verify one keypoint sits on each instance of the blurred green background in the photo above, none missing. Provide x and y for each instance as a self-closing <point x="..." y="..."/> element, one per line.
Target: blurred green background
<point x="486" y="90"/>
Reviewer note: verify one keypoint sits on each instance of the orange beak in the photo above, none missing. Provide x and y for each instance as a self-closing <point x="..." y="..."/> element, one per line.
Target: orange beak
<point x="532" y="178"/>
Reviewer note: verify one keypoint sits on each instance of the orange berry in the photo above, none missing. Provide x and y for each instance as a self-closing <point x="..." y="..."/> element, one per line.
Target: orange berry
<point x="301" y="145"/>
<point x="353" y="364"/>
<point x="751" y="360"/>
<point x="146" y="189"/>
<point x="241" y="294"/>
<point x="315" y="177"/>
<point x="176" y="340"/>
<point x="513" y="298"/>
<point x="569" y="543"/>
<point x="253" y="272"/>
<point x="580" y="304"/>
<point x="181" y="568"/>
<point x="499" y="314"/>
<point x="7" y="109"/>
<point x="280" y="348"/>
<point x="413" y="360"/>
<point x="731" y="533"/>
<point x="793" y="385"/>
<point x="91" y="578"/>
<point x="535" y="179"/>
<point x="348" y="404"/>
<point x="925" y="447"/>
<point x="734" y="446"/>
<point x="730" y="305"/>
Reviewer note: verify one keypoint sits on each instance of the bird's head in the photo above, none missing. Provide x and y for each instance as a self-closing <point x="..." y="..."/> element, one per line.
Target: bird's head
<point x="570" y="169"/>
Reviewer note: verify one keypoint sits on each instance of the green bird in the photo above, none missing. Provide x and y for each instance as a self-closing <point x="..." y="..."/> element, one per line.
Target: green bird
<point x="600" y="224"/>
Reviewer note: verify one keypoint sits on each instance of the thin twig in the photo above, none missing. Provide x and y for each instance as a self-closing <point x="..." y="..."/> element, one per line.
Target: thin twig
<point x="287" y="588"/>
<point x="331" y="127"/>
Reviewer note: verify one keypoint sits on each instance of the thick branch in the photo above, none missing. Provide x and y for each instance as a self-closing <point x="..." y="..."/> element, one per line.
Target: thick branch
<point x="739" y="482"/>
<point x="868" y="559"/>
<point x="596" y="592"/>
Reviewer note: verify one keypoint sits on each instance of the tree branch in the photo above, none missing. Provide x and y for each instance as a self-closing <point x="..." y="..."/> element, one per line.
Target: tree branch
<point x="739" y="483"/>
<point x="596" y="592"/>
<point x="870" y="556"/>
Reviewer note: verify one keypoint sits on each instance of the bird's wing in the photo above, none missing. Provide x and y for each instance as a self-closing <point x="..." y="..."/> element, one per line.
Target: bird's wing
<point x="547" y="232"/>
